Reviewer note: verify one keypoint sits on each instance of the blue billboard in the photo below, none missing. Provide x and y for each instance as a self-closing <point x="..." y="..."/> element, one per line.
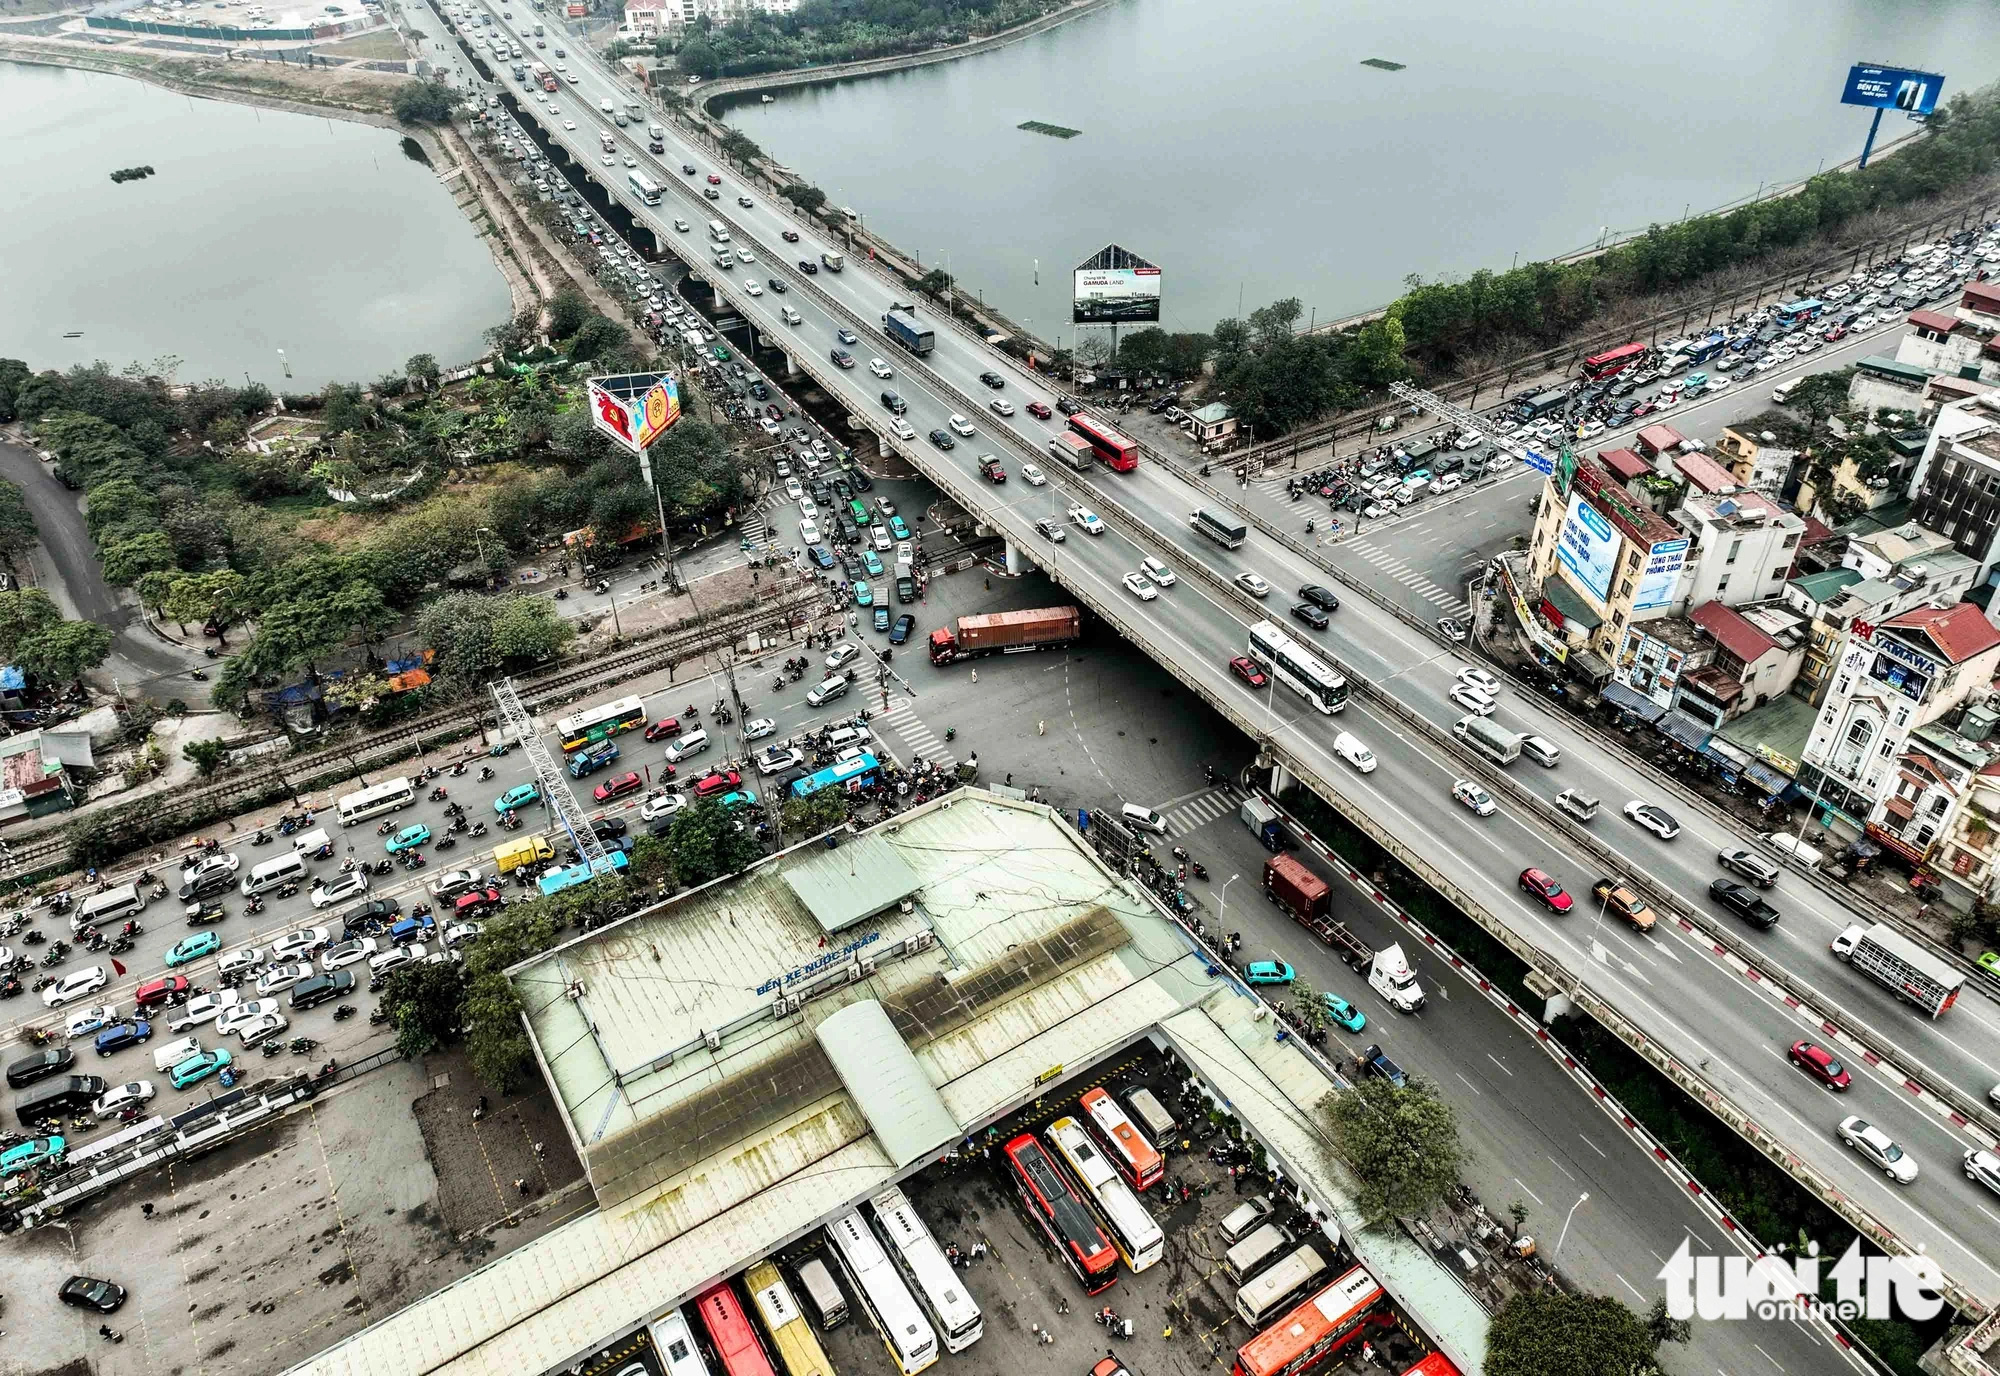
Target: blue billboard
<point x="1892" y="88"/>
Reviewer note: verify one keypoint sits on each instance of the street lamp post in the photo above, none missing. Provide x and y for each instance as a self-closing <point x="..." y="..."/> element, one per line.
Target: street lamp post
<point x="1581" y="1200"/>
<point x="1222" y="908"/>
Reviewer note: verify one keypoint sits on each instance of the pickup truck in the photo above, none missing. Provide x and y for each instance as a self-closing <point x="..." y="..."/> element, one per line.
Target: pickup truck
<point x="1742" y="900"/>
<point x="1373" y="1062"/>
<point x="1622" y="900"/>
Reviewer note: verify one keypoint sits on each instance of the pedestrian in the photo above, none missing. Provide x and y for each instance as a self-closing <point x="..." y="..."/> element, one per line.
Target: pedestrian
<point x="521" y="1184"/>
<point x="975" y="676"/>
<point x="1062" y="1304"/>
<point x="104" y="1331"/>
<point x="1041" y="728"/>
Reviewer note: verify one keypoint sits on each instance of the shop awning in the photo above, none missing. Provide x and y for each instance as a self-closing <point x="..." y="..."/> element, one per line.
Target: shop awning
<point x="1681" y="727"/>
<point x="1632" y="700"/>
<point x="1589" y="666"/>
<point x="1570" y="604"/>
<point x="1766" y="778"/>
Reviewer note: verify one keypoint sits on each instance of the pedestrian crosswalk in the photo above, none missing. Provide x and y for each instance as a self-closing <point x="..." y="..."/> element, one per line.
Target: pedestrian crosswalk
<point x="1384" y="559"/>
<point x="756" y="523"/>
<point x="1198" y="811"/>
<point x="900" y="716"/>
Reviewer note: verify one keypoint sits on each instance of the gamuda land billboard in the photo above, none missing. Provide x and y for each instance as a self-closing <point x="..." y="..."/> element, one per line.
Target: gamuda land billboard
<point x="1114" y="287"/>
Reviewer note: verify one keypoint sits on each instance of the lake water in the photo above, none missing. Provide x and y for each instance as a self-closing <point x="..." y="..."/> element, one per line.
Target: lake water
<point x="1245" y="150"/>
<point x="261" y="231"/>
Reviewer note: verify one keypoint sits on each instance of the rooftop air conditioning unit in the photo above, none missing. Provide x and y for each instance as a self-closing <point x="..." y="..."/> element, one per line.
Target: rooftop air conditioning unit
<point x="711" y="1039"/>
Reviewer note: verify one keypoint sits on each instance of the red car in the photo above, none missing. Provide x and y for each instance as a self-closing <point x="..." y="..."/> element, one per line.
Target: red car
<point x="155" y="992"/>
<point x="1039" y="411"/>
<point x="664" y="727"/>
<point x="1836" y="334"/>
<point x="717" y="782"/>
<point x="618" y="787"/>
<point x="473" y="904"/>
<point x="714" y="180"/>
<point x="790" y="236"/>
<point x="1541" y="886"/>
<point x="1819" y="1063"/>
<point x="1246" y="669"/>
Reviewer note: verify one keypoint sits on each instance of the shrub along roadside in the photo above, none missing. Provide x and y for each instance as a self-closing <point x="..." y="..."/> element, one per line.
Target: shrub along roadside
<point x="1768" y="1203"/>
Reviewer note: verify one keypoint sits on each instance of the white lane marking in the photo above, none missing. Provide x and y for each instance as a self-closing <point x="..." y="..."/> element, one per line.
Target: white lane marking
<point x="1530" y="1193"/>
<point x="1471" y="1086"/>
<point x="1594" y="1147"/>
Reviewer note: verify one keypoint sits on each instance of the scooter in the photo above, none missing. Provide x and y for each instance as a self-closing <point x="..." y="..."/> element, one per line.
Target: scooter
<point x="344" y="1012"/>
<point x="262" y="838"/>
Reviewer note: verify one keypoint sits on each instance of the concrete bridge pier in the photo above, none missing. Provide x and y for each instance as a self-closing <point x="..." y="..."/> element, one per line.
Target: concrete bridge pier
<point x="1018" y="563"/>
<point x="791" y="366"/>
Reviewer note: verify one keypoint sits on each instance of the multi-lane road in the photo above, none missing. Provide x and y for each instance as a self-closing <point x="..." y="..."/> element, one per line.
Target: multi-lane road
<point x="1673" y="983"/>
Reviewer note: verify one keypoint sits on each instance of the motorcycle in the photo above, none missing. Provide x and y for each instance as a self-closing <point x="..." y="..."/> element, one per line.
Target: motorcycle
<point x="134" y="929"/>
<point x="288" y="825"/>
<point x="458" y="769"/>
<point x="1200" y="870"/>
<point x="273" y="1049"/>
<point x="302" y="1046"/>
<point x="437" y="795"/>
<point x="498" y="750"/>
<point x="10" y="988"/>
<point x="344" y="1012"/>
<point x="325" y="852"/>
<point x="200" y="675"/>
<point x="262" y="838"/>
<point x="377" y="1015"/>
<point x="951" y="733"/>
<point x="255" y="905"/>
<point x="485" y="772"/>
<point x="479" y="828"/>
<point x="35" y="937"/>
<point x="288" y="889"/>
<point x="382" y="867"/>
<point x="386" y="829"/>
<point x="444" y="843"/>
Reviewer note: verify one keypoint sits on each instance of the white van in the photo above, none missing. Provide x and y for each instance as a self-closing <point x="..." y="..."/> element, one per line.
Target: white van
<point x="844" y="738"/>
<point x="286" y="869"/>
<point x="307" y="842"/>
<point x="1782" y="393"/>
<point x="113" y="905"/>
<point x="605" y="105"/>
<point x="826" y="692"/>
<point x="1143" y="819"/>
<point x="822" y="1294"/>
<point x="1260" y="1246"/>
<point x="1791" y="846"/>
<point x="686" y="744"/>
<point x="790" y="316"/>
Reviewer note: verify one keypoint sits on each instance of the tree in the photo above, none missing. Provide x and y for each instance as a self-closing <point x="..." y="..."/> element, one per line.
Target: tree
<point x="427" y="102"/>
<point x="1402" y="1143"/>
<point x="427" y="1005"/>
<point x="806" y="198"/>
<point x="422" y="368"/>
<point x="822" y="811"/>
<point x="216" y="599"/>
<point x="64" y="652"/>
<point x="155" y="589"/>
<point x="1551" y="1333"/>
<point x="706" y="843"/>
<point x="1375" y="358"/>
<point x="205" y="756"/>
<point x="17" y="524"/>
<point x="568" y="310"/>
<point x="22" y="614"/>
<point x="1819" y="397"/>
<point x="697" y="57"/>
<point x="126" y="562"/>
<point x="598" y="338"/>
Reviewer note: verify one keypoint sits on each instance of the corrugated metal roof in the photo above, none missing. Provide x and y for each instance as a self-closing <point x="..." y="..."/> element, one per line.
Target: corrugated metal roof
<point x="839" y="887"/>
<point x="898" y="1099"/>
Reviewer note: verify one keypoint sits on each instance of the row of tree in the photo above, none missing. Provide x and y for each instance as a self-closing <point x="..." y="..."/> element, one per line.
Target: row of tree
<point x="827" y="31"/>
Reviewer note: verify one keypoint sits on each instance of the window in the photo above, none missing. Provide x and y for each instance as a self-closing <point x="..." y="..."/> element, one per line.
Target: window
<point x="1860" y="734"/>
<point x="1778" y="573"/>
<point x="1791" y="540"/>
<point x="1722" y="585"/>
<point x="1940" y="805"/>
<point x="1735" y="546"/>
<point x="1624" y="589"/>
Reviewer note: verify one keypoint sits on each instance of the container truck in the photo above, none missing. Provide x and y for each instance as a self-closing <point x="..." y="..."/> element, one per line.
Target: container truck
<point x="1307" y="898"/>
<point x="901" y="325"/>
<point x="1495" y="742"/>
<point x="1902" y="966"/>
<point x="1296" y="889"/>
<point x="656" y="139"/>
<point x="634" y="111"/>
<point x="999" y="633"/>
<point x="1073" y="450"/>
<point x="832" y="262"/>
<point x="1390" y="975"/>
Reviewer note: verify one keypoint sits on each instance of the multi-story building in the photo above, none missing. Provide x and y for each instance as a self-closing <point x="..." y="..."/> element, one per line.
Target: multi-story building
<point x="1756" y="462"/>
<point x="1889" y="680"/>
<point x="1979" y="305"/>
<point x="1956" y="484"/>
<point x="1922" y="814"/>
<point x="1879" y="553"/>
<point x="1948" y="345"/>
<point x="1743" y="546"/>
<point x="1597" y="562"/>
<point x="1757" y="654"/>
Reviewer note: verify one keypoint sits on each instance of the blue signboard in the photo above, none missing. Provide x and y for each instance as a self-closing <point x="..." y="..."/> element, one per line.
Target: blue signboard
<point x="1540" y="462"/>
<point x="1892" y="88"/>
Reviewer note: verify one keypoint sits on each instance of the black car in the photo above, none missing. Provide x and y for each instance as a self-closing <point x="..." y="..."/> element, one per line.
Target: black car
<point x="207" y="885"/>
<point x="841" y="489"/>
<point x="842" y="358"/>
<point x="687" y="169"/>
<point x="1311" y="615"/>
<point x="820" y="556"/>
<point x="317" y="990"/>
<point x="88" y="1292"/>
<point x="943" y="440"/>
<point x="1068" y="407"/>
<point x="608" y="828"/>
<point x="993" y="380"/>
<point x="29" y="1069"/>
<point x="1322" y="598"/>
<point x="900" y="632"/>
<point x="862" y="482"/>
<point x="808" y="267"/>
<point x="822" y="492"/>
<point x="1742" y="900"/>
<point x="777" y="284"/>
<point x="894" y="404"/>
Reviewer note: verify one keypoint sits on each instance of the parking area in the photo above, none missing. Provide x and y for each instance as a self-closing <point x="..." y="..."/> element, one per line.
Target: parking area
<point x="260" y="1254"/>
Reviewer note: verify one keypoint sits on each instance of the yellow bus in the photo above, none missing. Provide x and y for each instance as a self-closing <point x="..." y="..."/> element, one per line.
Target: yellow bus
<point x="790" y="1334"/>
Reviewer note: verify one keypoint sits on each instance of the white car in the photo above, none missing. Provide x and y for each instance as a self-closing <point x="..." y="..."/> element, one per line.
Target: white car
<point x="1479" y="679"/>
<point x="1472" y="700"/>
<point x="753" y="289"/>
<point x="793" y="491"/>
<point x="767" y="425"/>
<point x="348" y="953"/>
<point x="396" y="958"/>
<point x="778" y="759"/>
<point x="1471" y="439"/>
<point x="279" y="978"/>
<point x="842" y="656"/>
<point x="303" y="942"/>
<point x="1253" y="585"/>
<point x="569" y="123"/>
<point x="173" y="1053"/>
<point x="1000" y="406"/>
<point x="631" y="161"/>
<point x="808" y="508"/>
<point x="960" y="426"/>
<point x="880" y="369"/>
<point x="608" y="160"/>
<point x="1158" y="572"/>
<point x="72" y="987"/>
<point x="661" y="805"/>
<point x="90" y="1021"/>
<point x="809" y="531"/>
<point x="1083" y="516"/>
<point x="454" y="882"/>
<point x="118" y="1098"/>
<point x="339" y="889"/>
<point x="1351" y="749"/>
<point x="462" y="934"/>
<point x="1033" y="476"/>
<point x="758" y="727"/>
<point x="262" y="1028"/>
<point x="1474" y="798"/>
<point x="1982" y="1167"/>
<point x="213" y="863"/>
<point x="237" y="1014"/>
<point x="1450" y="482"/>
<point x="203" y="1008"/>
<point x="1876" y="1146"/>
<point x="242" y="960"/>
<point x="1136" y="584"/>
<point x="682" y="226"/>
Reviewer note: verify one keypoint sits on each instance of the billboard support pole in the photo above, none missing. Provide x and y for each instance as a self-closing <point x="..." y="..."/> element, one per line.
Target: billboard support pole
<point x="1873" y="126"/>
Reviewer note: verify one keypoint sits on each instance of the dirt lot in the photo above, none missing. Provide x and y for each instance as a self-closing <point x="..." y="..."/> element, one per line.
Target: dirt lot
<point x="261" y="1254"/>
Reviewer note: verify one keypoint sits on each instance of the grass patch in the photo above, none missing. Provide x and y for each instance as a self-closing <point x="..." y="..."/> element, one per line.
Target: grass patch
<point x="1054" y="131"/>
<point x="382" y="46"/>
<point x="1383" y="64"/>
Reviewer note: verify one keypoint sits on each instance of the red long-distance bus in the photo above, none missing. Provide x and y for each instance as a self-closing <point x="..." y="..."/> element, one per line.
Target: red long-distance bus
<point x="1612" y="361"/>
<point x="1434" y="1364"/>
<point x="1061" y="1216"/>
<point x="729" y="1328"/>
<point x="1124" y="1145"/>
<point x="1322" y="1325"/>
<point x="1117" y="452"/>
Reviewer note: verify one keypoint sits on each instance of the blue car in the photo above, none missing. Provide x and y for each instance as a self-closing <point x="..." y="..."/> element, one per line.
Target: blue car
<point x="194" y="948"/>
<point x="120" y="1035"/>
<point x="198" y="1067"/>
<point x="519" y="796"/>
<point x="820" y="555"/>
<point x="1268" y="972"/>
<point x="30" y="1153"/>
<point x="408" y="837"/>
<point x="1343" y="1012"/>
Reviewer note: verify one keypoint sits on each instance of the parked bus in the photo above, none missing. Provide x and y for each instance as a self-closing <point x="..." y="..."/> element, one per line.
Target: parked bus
<point x="1272" y="1290"/>
<point x="1613" y="361"/>
<point x="856" y="771"/>
<point x="1061" y="1216"/>
<point x="1124" y="1145"/>
<point x="1314" y="1331"/>
<point x="674" y="1342"/>
<point x="647" y="189"/>
<point x="1133" y="1232"/>
<point x="1298" y="668"/>
<point x="1797" y="312"/>
<point x="904" y="1329"/>
<point x="1230" y="534"/>
<point x="791" y="1335"/>
<point x="594" y="724"/>
<point x="953" y="1311"/>
<point x="729" y="1330"/>
<point x="581" y="873"/>
<point x="1117" y="452"/>
<point x="373" y="801"/>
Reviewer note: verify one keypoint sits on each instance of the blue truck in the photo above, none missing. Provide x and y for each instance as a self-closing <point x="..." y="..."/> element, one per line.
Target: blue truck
<point x="901" y="325"/>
